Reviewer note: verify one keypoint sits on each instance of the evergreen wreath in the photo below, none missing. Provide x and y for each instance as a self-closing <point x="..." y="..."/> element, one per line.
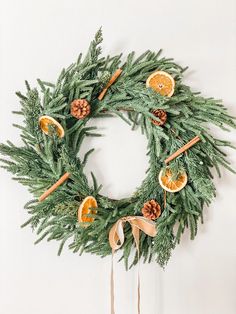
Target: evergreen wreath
<point x="147" y="93"/>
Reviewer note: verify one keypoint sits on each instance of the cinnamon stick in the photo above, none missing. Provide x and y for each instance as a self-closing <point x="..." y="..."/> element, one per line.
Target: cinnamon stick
<point x="164" y="198"/>
<point x="111" y="81"/>
<point x="183" y="149"/>
<point x="54" y="186"/>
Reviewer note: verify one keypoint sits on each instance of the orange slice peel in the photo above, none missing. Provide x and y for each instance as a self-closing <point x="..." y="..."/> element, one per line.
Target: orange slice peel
<point x="161" y="82"/>
<point x="172" y="183"/>
<point x="46" y="121"/>
<point x="87" y="207"/>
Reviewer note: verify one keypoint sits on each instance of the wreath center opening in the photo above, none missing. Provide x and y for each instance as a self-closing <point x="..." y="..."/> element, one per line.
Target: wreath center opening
<point x="119" y="161"/>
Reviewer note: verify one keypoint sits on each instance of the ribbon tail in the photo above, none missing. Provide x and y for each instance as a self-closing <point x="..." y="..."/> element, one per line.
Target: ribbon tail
<point x="116" y="240"/>
<point x="135" y="231"/>
<point x="112" y="285"/>
<point x="138" y="289"/>
<point x="139" y="293"/>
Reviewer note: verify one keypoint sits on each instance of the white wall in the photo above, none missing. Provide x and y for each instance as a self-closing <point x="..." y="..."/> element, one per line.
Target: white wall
<point x="37" y="39"/>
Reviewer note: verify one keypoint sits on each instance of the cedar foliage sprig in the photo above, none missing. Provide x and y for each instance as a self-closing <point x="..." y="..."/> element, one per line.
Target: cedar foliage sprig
<point x="43" y="159"/>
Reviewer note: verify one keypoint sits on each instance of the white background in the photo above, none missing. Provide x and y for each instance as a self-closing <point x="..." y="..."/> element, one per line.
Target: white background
<point x="38" y="38"/>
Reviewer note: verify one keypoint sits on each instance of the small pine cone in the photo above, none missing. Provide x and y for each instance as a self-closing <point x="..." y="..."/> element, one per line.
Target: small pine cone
<point x="80" y="108"/>
<point x="151" y="210"/>
<point x="161" y="114"/>
<point x="105" y="77"/>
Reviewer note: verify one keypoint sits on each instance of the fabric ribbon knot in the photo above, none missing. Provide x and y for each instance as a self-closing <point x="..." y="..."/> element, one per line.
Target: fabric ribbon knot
<point x="116" y="234"/>
<point x="117" y="238"/>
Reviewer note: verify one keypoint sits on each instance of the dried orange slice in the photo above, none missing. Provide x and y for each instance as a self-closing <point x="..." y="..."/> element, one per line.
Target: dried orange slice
<point x="161" y="82"/>
<point x="172" y="183"/>
<point x="85" y="209"/>
<point x="46" y="121"/>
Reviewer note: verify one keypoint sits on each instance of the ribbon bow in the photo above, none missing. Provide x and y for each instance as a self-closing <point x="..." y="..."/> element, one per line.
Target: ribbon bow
<point x="116" y="234"/>
<point x="117" y="238"/>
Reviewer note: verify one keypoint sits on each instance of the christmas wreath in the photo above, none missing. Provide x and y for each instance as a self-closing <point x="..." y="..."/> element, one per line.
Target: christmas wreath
<point x="148" y="93"/>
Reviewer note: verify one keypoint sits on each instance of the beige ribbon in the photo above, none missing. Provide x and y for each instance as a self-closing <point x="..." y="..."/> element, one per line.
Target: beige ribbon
<point x="117" y="238"/>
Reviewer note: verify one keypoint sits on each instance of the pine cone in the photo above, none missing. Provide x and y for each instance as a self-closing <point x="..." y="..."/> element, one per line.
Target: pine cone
<point x="80" y="108"/>
<point x="151" y="210"/>
<point x="161" y="114"/>
<point x="105" y="77"/>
